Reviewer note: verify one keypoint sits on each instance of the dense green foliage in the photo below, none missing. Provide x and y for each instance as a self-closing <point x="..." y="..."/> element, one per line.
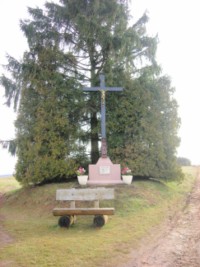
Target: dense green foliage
<point x="46" y="127"/>
<point x="70" y="44"/>
<point x="146" y="128"/>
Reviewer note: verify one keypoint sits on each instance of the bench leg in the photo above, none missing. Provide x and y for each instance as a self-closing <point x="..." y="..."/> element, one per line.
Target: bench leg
<point x="66" y="221"/>
<point x="100" y="220"/>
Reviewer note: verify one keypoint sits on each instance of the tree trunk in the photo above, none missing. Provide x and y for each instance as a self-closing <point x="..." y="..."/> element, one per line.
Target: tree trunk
<point x="94" y="138"/>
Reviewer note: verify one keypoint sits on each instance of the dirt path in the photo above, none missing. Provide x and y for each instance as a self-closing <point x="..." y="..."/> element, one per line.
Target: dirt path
<point x="178" y="244"/>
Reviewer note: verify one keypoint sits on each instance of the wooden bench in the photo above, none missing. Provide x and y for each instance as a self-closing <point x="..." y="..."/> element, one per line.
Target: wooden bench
<point x="68" y="215"/>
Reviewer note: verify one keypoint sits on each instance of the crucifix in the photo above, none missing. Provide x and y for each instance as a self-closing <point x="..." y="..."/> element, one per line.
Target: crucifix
<point x="103" y="89"/>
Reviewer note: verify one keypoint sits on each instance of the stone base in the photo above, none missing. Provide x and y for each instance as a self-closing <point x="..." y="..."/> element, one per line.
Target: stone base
<point x="104" y="172"/>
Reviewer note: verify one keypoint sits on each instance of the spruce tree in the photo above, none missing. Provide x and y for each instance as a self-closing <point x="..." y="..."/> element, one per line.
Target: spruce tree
<point x="97" y="34"/>
<point x="143" y="130"/>
<point x="48" y="119"/>
<point x="70" y="44"/>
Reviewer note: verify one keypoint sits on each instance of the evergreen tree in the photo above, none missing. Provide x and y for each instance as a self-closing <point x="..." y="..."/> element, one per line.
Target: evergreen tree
<point x="47" y="125"/>
<point x="70" y="44"/>
<point x="97" y="34"/>
<point x="146" y="121"/>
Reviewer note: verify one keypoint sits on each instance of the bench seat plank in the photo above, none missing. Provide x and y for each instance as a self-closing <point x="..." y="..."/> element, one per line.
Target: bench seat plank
<point x="86" y="194"/>
<point x="83" y="211"/>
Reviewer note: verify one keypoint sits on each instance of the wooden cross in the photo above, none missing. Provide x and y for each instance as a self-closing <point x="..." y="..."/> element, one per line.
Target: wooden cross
<point x="103" y="89"/>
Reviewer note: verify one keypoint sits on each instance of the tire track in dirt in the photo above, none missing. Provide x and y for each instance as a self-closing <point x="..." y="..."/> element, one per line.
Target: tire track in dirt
<point x="178" y="244"/>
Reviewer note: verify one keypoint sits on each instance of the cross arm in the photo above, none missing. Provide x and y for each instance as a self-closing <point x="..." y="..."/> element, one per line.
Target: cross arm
<point x="111" y="89"/>
<point x="91" y="88"/>
<point x="114" y="89"/>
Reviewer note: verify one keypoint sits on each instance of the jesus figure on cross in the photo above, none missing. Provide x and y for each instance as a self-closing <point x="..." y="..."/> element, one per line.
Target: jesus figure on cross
<point x="103" y="89"/>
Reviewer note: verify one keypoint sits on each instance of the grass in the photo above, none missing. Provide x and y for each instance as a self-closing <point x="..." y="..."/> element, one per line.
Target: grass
<point x="38" y="241"/>
<point x="8" y="184"/>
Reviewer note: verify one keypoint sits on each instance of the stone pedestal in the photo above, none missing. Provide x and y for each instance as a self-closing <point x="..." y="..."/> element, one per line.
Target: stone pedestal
<point x="104" y="172"/>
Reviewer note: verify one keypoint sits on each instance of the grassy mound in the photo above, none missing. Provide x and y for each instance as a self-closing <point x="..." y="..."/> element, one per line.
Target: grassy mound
<point x="39" y="241"/>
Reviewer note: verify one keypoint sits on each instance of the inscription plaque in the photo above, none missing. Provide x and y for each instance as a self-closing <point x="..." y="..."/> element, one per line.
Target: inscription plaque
<point x="104" y="169"/>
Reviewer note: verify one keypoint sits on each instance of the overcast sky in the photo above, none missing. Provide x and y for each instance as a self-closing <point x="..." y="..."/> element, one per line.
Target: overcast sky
<point x="177" y="24"/>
